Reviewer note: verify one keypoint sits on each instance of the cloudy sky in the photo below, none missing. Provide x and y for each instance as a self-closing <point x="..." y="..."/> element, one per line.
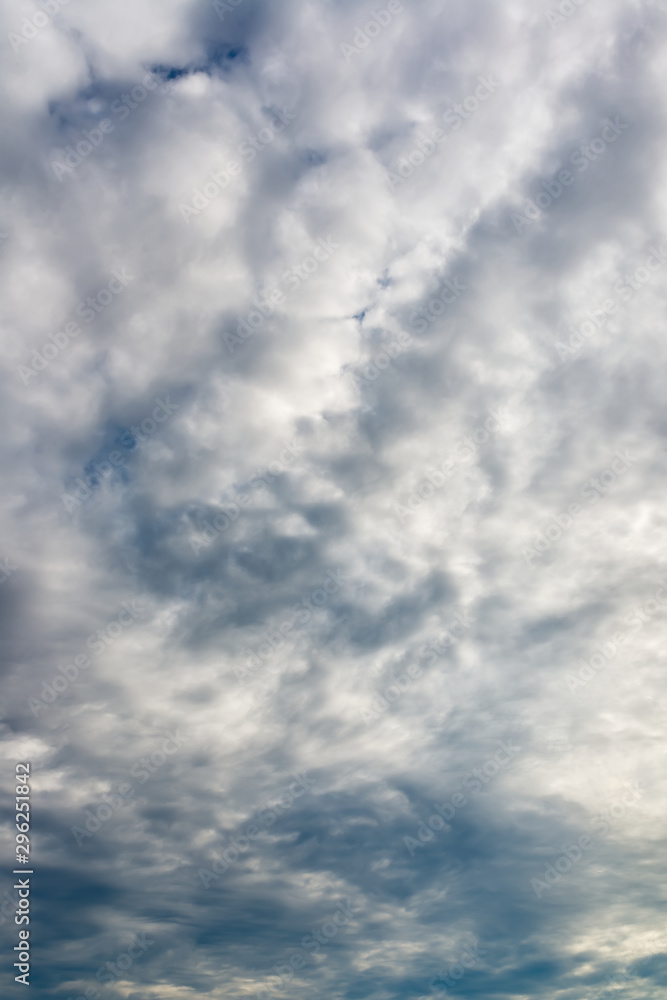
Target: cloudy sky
<point x="333" y="589"/>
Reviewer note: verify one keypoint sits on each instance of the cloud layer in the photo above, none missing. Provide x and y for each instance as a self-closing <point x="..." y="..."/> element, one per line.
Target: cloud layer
<point x="333" y="589"/>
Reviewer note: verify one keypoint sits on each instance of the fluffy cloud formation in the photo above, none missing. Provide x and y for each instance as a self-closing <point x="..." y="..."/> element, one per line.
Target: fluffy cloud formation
<point x="332" y="590"/>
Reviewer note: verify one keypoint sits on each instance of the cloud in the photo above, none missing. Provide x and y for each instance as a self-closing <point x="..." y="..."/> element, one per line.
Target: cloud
<point x="307" y="394"/>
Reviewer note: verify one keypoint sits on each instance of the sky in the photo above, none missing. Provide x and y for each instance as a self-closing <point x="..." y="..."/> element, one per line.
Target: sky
<point x="332" y="583"/>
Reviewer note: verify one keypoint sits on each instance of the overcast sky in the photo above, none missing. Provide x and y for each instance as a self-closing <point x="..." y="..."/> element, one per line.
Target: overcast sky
<point x="334" y="436"/>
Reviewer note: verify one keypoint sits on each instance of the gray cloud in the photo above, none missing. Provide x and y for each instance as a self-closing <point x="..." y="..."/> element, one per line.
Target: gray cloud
<point x="307" y="411"/>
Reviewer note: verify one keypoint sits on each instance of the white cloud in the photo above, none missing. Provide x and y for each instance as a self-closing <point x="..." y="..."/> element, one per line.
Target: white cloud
<point x="360" y="449"/>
